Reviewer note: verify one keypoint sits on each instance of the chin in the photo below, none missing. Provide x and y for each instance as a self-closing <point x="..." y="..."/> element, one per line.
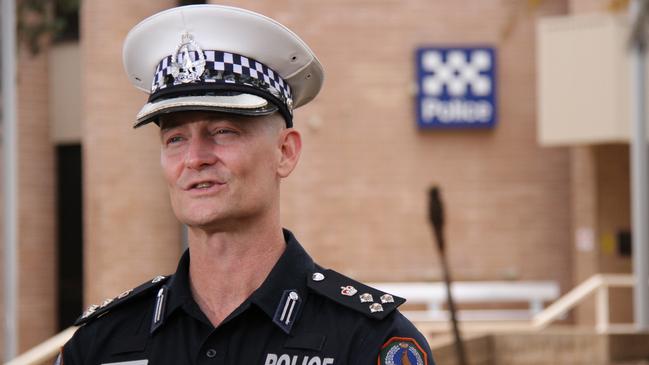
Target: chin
<point x="197" y="213"/>
<point x="201" y="219"/>
<point x="211" y="219"/>
<point x="215" y="215"/>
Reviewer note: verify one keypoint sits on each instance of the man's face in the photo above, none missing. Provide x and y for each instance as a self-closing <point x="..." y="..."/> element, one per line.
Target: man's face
<point x="223" y="170"/>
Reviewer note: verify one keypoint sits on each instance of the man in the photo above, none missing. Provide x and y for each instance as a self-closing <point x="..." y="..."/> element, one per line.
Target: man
<point x="223" y="84"/>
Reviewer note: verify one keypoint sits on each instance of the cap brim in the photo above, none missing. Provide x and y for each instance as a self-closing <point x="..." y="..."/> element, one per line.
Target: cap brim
<point x="241" y="104"/>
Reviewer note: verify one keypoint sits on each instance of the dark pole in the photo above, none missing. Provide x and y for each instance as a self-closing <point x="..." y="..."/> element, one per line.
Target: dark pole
<point x="436" y="217"/>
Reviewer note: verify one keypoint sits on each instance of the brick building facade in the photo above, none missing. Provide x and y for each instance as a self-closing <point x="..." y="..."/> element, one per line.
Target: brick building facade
<point x="357" y="200"/>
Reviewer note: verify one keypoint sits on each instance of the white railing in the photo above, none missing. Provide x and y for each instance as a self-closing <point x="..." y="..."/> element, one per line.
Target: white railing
<point x="432" y="297"/>
<point x="45" y="351"/>
<point x="598" y="284"/>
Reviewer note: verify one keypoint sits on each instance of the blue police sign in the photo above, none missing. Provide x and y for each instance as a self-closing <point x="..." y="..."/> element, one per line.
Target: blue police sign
<point x="456" y="87"/>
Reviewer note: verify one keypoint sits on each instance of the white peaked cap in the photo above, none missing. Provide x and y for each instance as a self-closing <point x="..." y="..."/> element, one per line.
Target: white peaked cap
<point x="280" y="72"/>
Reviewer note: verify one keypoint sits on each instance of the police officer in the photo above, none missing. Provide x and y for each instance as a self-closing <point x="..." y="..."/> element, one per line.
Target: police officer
<point x="223" y="84"/>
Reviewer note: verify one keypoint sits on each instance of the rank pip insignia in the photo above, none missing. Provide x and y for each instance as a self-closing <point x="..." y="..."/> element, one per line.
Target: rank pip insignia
<point x="124" y="294"/>
<point x="348" y="290"/>
<point x="106" y="302"/>
<point x="402" y="351"/>
<point x="366" y="298"/>
<point x="376" y="307"/>
<point x="92" y="309"/>
<point x="387" y="298"/>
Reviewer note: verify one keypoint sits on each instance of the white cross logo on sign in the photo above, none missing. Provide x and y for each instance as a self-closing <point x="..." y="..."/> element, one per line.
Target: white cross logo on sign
<point x="456" y="73"/>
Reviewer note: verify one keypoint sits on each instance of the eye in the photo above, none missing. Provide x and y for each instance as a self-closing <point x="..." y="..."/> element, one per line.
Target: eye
<point x="222" y="131"/>
<point x="173" y="140"/>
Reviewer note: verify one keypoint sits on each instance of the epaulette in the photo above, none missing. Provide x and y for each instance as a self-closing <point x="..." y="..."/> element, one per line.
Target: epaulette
<point x="353" y="294"/>
<point x="97" y="310"/>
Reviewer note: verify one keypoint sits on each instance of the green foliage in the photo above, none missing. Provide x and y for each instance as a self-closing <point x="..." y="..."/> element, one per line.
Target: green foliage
<point x="66" y="12"/>
<point x="56" y="19"/>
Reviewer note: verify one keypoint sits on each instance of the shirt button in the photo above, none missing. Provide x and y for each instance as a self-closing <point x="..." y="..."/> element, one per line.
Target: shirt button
<point x="210" y="353"/>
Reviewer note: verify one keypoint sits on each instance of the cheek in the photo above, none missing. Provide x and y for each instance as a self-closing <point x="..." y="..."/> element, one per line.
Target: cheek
<point x="171" y="168"/>
<point x="265" y="162"/>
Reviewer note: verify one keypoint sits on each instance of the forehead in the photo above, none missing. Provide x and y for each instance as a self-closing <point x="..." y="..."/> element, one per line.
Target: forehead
<point x="173" y="120"/>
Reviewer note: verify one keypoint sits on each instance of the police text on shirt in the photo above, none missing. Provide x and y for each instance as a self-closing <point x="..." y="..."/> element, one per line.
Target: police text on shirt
<point x="284" y="359"/>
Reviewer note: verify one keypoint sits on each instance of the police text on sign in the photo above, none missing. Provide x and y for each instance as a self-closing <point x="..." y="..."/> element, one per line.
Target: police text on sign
<point x="456" y="87"/>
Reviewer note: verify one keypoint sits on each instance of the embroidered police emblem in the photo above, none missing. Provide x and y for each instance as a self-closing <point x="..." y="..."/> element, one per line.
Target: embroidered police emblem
<point x="188" y="62"/>
<point x="402" y="351"/>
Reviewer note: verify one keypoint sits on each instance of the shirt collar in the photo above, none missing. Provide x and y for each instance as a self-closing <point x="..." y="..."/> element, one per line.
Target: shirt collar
<point x="289" y="273"/>
<point x="179" y="286"/>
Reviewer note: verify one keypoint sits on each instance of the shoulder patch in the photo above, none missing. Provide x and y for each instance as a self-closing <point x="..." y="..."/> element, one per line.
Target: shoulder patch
<point x="97" y="310"/>
<point x="401" y="351"/>
<point x="353" y="294"/>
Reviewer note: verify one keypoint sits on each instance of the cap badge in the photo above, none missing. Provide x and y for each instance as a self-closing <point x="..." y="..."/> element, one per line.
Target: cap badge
<point x="366" y="298"/>
<point x="348" y="290"/>
<point x="183" y="67"/>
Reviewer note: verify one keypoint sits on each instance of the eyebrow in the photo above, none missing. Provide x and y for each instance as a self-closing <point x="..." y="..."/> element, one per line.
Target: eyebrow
<point x="166" y="124"/>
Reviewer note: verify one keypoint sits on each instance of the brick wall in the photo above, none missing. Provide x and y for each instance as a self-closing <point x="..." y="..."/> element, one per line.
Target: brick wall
<point x="130" y="232"/>
<point x="36" y="235"/>
<point x="36" y="194"/>
<point x="358" y="198"/>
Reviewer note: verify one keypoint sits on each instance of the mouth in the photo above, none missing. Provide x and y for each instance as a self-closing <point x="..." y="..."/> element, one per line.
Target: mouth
<point x="203" y="185"/>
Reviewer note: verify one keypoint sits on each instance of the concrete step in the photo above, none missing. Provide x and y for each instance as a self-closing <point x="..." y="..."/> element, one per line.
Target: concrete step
<point x="565" y="346"/>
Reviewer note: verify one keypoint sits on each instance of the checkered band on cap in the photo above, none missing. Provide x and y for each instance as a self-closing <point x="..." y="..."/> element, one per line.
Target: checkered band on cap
<point x="225" y="68"/>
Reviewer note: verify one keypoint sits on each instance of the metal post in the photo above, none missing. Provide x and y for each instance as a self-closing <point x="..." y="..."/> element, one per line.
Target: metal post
<point x="436" y="217"/>
<point x="10" y="186"/>
<point x="639" y="167"/>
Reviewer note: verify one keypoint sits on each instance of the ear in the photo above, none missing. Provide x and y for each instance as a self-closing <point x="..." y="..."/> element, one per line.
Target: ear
<point x="290" y="148"/>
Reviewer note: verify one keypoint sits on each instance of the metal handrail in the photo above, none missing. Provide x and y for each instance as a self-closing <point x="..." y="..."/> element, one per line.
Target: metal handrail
<point x="598" y="284"/>
<point x="45" y="351"/>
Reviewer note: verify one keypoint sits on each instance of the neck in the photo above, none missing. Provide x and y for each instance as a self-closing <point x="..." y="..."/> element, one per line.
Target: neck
<point x="227" y="266"/>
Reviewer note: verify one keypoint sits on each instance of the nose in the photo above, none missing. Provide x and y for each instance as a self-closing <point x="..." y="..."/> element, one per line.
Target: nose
<point x="200" y="154"/>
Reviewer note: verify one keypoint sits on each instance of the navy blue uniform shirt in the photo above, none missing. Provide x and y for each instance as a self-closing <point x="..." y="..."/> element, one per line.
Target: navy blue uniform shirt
<point x="300" y="315"/>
